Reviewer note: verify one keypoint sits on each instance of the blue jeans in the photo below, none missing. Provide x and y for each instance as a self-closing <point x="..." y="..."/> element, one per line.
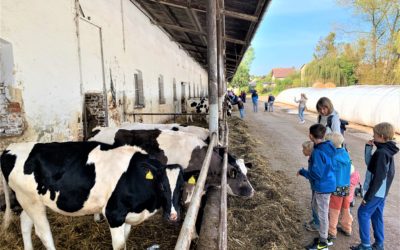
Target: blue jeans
<point x="271" y="106"/>
<point x="255" y="106"/>
<point x="241" y="111"/>
<point x="372" y="211"/>
<point x="301" y="113"/>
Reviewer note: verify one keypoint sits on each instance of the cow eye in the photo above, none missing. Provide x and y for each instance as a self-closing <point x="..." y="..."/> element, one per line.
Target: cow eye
<point x="232" y="173"/>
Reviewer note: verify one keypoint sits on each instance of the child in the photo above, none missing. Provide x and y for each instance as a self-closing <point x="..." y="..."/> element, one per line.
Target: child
<point x="340" y="199"/>
<point x="241" y="107"/>
<point x="312" y="225"/>
<point x="354" y="180"/>
<point x="378" y="178"/>
<point x="323" y="183"/>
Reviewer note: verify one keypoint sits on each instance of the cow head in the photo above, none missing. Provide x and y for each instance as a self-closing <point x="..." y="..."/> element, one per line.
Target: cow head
<point x="238" y="184"/>
<point x="171" y="187"/>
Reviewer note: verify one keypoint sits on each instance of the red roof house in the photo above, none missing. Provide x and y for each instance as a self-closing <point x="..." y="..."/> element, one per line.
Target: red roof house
<point x="282" y="73"/>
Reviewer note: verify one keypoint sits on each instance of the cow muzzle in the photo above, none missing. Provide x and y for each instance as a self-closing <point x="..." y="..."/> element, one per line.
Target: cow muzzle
<point x="173" y="217"/>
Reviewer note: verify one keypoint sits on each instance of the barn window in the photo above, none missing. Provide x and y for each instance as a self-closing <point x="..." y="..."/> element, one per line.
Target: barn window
<point x="174" y="89"/>
<point x="139" y="100"/>
<point x="161" y="96"/>
<point x="190" y="92"/>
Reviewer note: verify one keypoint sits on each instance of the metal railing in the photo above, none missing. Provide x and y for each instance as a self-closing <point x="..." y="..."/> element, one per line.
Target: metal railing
<point x="223" y="224"/>
<point x="159" y="114"/>
<point x="188" y="227"/>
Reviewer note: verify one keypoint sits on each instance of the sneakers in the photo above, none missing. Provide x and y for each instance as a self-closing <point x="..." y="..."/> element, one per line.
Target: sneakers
<point x="376" y="246"/>
<point x="361" y="247"/>
<point x="301" y="122"/>
<point x="330" y="240"/>
<point x="317" y="245"/>
<point x="341" y="230"/>
<point x="311" y="226"/>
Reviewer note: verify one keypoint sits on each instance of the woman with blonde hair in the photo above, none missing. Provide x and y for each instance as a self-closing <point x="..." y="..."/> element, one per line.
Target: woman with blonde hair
<point x="302" y="106"/>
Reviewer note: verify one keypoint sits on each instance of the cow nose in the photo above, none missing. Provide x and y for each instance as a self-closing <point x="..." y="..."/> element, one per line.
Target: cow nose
<point x="173" y="216"/>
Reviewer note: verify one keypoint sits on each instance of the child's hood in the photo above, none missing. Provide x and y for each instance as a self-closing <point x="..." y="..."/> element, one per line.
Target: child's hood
<point x="342" y="156"/>
<point x="327" y="147"/>
<point x="388" y="147"/>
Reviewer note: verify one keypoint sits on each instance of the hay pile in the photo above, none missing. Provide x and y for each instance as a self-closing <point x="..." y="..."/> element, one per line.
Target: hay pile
<point x="83" y="233"/>
<point x="269" y="220"/>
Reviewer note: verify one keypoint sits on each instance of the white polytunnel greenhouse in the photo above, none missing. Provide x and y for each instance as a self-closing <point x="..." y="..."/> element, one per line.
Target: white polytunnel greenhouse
<point x="362" y="104"/>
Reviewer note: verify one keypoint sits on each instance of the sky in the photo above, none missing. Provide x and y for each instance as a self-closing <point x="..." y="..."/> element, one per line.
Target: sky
<point x="291" y="29"/>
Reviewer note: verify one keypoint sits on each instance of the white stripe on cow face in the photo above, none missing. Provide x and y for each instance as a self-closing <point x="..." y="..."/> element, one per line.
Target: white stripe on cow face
<point x="172" y="175"/>
<point x="242" y="166"/>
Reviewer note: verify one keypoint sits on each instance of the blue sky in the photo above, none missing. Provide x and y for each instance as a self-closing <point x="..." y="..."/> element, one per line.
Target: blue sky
<point x="290" y="30"/>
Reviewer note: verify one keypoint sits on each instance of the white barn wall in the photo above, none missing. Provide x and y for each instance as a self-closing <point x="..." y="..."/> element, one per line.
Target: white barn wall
<point x="42" y="34"/>
<point x="363" y="104"/>
<point x="47" y="70"/>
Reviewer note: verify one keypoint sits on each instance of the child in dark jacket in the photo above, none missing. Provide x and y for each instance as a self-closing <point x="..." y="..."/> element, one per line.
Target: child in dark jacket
<point x="378" y="179"/>
<point x="323" y="182"/>
<point x="340" y="199"/>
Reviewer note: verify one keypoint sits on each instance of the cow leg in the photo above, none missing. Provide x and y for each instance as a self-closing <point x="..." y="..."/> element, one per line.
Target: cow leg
<point x="127" y="231"/>
<point x="26" y="229"/>
<point x="37" y="212"/>
<point x="118" y="237"/>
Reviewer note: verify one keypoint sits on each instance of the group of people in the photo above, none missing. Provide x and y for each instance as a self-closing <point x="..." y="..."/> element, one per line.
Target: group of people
<point x="238" y="100"/>
<point x="333" y="179"/>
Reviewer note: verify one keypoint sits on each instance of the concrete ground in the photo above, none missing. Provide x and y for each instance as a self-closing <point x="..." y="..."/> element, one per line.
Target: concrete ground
<point x="281" y="137"/>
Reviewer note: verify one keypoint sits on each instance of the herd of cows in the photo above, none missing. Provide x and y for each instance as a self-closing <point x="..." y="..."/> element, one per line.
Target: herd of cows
<point x="125" y="173"/>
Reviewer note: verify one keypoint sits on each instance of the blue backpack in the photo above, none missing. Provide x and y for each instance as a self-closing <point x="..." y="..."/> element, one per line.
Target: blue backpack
<point x="342" y="167"/>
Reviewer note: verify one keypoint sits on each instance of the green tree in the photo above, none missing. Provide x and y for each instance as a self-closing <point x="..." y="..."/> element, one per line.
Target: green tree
<point x="332" y="63"/>
<point x="383" y="21"/>
<point x="241" y="78"/>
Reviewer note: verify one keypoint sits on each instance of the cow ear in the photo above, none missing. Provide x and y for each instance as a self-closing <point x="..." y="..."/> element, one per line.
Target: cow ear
<point x="248" y="165"/>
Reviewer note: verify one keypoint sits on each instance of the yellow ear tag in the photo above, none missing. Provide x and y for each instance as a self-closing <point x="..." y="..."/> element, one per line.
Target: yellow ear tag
<point x="192" y="180"/>
<point x="149" y="175"/>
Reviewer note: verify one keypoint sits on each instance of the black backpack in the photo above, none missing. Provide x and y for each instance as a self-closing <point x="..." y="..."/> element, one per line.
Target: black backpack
<point x="343" y="123"/>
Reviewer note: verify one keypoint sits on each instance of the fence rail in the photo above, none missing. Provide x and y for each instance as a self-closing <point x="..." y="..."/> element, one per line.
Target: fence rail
<point x="188" y="227"/>
<point x="159" y="114"/>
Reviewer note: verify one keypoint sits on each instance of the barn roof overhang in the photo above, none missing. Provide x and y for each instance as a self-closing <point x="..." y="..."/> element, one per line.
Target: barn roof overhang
<point x="185" y="22"/>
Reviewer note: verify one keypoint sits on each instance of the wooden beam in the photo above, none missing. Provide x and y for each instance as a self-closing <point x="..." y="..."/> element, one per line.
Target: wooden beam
<point x="196" y="22"/>
<point x="212" y="61"/>
<point x="198" y="8"/>
<point x="239" y="15"/>
<point x="179" y="28"/>
<point x="178" y="4"/>
<point x="233" y="40"/>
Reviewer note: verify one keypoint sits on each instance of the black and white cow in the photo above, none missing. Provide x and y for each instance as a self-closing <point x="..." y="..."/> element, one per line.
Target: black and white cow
<point x="80" y="178"/>
<point x="188" y="151"/>
<point x="107" y="134"/>
<point x="197" y="106"/>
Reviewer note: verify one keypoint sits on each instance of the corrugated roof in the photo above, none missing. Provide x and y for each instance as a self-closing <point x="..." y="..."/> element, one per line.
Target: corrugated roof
<point x="185" y="21"/>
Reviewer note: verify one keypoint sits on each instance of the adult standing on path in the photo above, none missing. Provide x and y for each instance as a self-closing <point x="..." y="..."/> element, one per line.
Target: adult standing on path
<point x="328" y="116"/>
<point x="254" y="98"/>
<point x="302" y="106"/>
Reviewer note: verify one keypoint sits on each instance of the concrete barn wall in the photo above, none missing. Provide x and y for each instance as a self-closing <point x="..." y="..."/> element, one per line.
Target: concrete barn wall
<point x="51" y="77"/>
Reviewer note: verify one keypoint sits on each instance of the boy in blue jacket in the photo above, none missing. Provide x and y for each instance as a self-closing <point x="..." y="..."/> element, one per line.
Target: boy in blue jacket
<point x="378" y="180"/>
<point x="323" y="183"/>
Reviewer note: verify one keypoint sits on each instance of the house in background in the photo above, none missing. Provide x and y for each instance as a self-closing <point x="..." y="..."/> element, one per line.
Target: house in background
<point x="282" y="73"/>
